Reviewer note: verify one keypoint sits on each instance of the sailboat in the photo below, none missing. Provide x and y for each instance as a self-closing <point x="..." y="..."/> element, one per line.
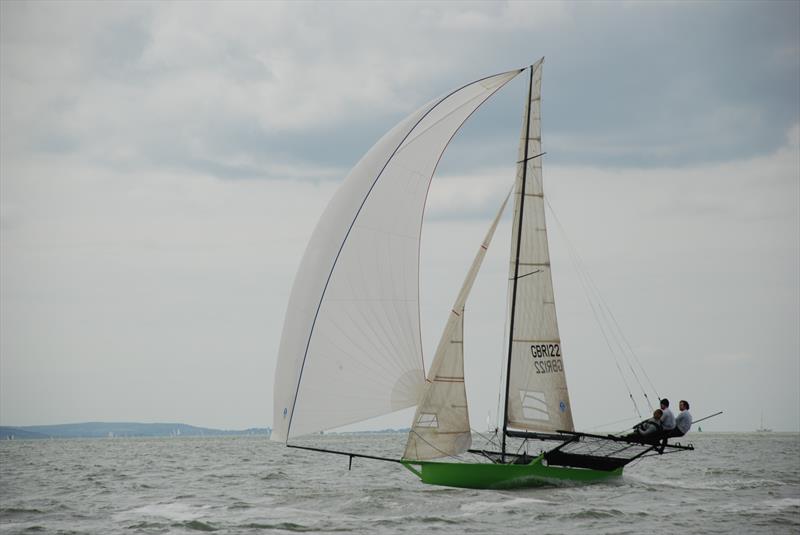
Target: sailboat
<point x="351" y="346"/>
<point x="761" y="428"/>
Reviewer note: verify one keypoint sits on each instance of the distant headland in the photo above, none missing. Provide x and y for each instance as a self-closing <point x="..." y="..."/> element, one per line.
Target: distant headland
<point x="121" y="429"/>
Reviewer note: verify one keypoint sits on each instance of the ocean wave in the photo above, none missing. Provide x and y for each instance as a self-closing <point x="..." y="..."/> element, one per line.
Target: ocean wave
<point x="175" y="512"/>
<point x="240" y="505"/>
<point x="594" y="513"/>
<point x="10" y="511"/>
<point x="783" y="503"/>
<point x="403" y="521"/>
<point x="146" y="525"/>
<point x="197" y="525"/>
<point x="482" y="507"/>
<point x="290" y="526"/>
<point x="274" y="476"/>
<point x="708" y="484"/>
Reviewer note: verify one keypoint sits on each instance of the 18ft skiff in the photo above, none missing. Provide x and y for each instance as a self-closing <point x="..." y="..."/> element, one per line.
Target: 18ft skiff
<point x="351" y="350"/>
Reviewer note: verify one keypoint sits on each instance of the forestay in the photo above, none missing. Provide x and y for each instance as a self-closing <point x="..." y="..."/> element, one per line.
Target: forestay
<point x="350" y="347"/>
<point x="537" y="390"/>
<point x="441" y="423"/>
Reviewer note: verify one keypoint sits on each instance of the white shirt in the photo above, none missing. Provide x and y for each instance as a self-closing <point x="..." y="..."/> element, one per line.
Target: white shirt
<point x="667" y="419"/>
<point x="683" y="421"/>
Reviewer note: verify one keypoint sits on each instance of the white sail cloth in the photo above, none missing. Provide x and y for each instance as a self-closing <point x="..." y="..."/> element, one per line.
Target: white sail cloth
<point x="537" y="395"/>
<point x="350" y="347"/>
<point x="441" y="423"/>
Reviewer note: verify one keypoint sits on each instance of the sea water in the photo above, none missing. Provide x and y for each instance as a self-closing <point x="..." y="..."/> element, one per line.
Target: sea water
<point x="731" y="483"/>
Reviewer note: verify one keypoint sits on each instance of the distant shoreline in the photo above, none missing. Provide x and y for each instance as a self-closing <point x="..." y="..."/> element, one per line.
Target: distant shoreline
<point x="121" y="430"/>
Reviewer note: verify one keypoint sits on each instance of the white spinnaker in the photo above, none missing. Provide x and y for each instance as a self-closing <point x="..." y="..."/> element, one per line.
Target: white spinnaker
<point x="350" y="348"/>
<point x="537" y="398"/>
<point x="441" y="423"/>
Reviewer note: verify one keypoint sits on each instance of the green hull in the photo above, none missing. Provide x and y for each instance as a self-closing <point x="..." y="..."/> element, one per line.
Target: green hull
<point x="502" y="476"/>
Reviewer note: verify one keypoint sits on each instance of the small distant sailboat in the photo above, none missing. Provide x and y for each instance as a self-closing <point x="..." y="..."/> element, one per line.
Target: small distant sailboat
<point x="351" y="345"/>
<point x="763" y="429"/>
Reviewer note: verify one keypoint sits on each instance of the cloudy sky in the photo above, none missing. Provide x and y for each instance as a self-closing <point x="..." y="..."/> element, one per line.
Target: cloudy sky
<point x="162" y="167"/>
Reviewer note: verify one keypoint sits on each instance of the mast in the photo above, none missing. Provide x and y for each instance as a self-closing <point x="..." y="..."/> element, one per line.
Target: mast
<point x="516" y="264"/>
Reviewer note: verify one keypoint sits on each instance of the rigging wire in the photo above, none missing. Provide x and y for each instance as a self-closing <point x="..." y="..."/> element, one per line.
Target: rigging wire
<point x="628" y="419"/>
<point x="506" y="333"/>
<point x="489" y="440"/>
<point x="590" y="287"/>
<point x="630" y="348"/>
<point x="612" y="322"/>
<point x="501" y="384"/>
<point x="444" y="453"/>
<point x="592" y="292"/>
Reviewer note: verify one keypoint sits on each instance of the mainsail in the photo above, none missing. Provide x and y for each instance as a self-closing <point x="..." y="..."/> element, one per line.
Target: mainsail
<point x="537" y="397"/>
<point x="441" y="423"/>
<point x="350" y="347"/>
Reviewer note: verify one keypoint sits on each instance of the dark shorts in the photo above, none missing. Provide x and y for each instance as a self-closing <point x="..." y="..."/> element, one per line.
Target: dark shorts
<point x="672" y="433"/>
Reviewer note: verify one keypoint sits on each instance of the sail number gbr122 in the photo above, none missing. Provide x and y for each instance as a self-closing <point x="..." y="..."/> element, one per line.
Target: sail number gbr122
<point x="547" y="358"/>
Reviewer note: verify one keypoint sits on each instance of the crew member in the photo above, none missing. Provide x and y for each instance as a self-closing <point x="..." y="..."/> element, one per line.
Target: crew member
<point x="667" y="418"/>
<point x="682" y="424"/>
<point x="649" y="430"/>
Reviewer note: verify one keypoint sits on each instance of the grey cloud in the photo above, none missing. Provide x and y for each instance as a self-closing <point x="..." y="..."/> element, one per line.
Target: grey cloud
<point x="631" y="85"/>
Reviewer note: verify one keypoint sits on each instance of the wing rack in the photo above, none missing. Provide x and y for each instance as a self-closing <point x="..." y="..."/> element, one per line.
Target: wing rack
<point x="598" y="452"/>
<point x="585" y="450"/>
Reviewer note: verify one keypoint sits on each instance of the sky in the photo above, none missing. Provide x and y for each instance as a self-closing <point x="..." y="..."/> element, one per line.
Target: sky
<point x="162" y="166"/>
